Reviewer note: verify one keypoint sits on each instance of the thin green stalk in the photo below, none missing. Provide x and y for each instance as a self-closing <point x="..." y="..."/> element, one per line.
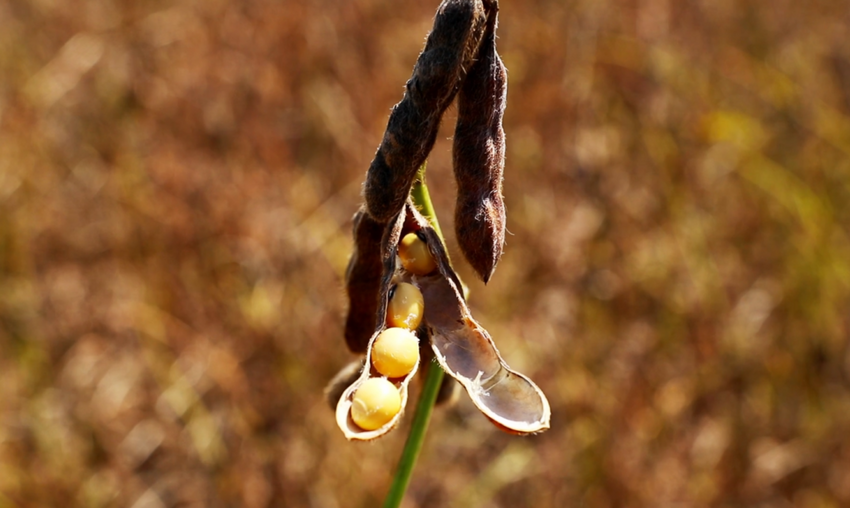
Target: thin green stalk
<point x="416" y="437"/>
<point x="434" y="378"/>
<point x="422" y="199"/>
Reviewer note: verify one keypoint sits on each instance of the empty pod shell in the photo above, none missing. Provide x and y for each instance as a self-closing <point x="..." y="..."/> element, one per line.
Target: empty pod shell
<point x="467" y="353"/>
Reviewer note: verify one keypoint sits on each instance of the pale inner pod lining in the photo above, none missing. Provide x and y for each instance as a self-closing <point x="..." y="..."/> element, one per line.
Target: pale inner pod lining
<point x="467" y="352"/>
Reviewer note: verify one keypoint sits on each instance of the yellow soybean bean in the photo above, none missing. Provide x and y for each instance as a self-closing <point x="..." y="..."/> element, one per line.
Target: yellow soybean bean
<point x="375" y="403"/>
<point x="415" y="256"/>
<point x="406" y="306"/>
<point x="395" y="352"/>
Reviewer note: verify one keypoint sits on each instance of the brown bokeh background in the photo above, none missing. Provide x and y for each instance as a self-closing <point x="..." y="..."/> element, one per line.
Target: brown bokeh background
<point x="176" y="186"/>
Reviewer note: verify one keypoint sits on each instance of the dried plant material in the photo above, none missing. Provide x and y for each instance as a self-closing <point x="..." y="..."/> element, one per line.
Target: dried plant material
<point x="363" y="281"/>
<point x="414" y="122"/>
<point x="449" y="390"/>
<point x="479" y="157"/>
<point x="467" y="353"/>
<point x="350" y="429"/>
<point x="463" y="348"/>
<point x="388" y="247"/>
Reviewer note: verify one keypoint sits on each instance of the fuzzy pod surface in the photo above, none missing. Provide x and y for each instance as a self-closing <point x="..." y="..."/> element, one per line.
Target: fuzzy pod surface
<point x="478" y="155"/>
<point x="414" y="122"/>
<point x="363" y="281"/>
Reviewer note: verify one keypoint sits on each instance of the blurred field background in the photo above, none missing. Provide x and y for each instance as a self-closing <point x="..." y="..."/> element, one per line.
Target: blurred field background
<point x="177" y="181"/>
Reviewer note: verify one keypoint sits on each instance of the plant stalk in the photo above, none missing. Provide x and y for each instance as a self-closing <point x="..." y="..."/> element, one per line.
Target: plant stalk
<point x="421" y="418"/>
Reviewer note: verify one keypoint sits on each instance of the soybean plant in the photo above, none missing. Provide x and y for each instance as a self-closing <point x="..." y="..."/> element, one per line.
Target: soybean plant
<point x="406" y="302"/>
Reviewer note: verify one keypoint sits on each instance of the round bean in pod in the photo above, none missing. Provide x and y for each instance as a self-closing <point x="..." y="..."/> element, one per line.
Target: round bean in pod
<point x="406" y="306"/>
<point x="395" y="352"/>
<point x="375" y="403"/>
<point x="415" y="256"/>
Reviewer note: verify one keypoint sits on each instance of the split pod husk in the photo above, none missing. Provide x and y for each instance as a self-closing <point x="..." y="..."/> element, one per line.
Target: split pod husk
<point x="390" y="269"/>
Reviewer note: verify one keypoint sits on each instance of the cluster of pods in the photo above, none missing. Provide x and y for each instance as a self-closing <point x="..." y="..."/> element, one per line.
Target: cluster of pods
<point x="459" y="60"/>
<point x="419" y="300"/>
<point x="405" y="300"/>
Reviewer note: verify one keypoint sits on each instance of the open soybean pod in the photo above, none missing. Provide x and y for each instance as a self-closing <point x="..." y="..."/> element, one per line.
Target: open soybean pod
<point x="462" y="347"/>
<point x="479" y="156"/>
<point x="466" y="351"/>
<point x="414" y="122"/>
<point x="388" y="278"/>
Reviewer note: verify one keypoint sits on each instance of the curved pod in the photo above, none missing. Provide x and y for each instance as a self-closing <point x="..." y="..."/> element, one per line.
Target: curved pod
<point x="467" y="353"/>
<point x="478" y="156"/>
<point x="391" y="273"/>
<point x="415" y="121"/>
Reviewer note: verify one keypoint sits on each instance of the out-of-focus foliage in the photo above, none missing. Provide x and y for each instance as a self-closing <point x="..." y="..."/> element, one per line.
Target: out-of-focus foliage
<point x="176" y="186"/>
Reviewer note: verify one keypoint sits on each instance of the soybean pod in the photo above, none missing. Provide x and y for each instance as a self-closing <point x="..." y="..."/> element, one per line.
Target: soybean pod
<point x="414" y="122"/>
<point x="363" y="281"/>
<point x="479" y="157"/>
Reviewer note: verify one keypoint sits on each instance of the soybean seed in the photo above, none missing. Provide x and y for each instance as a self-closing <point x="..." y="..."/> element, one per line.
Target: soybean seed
<point x="406" y="307"/>
<point x="395" y="352"/>
<point x="375" y="403"/>
<point x="415" y="256"/>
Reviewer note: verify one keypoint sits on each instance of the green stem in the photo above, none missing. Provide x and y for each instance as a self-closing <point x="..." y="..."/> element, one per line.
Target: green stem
<point x="422" y="199"/>
<point x="416" y="437"/>
<point x="428" y="397"/>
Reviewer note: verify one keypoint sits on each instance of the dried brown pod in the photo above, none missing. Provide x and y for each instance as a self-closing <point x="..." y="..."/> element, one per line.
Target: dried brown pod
<point x="363" y="281"/>
<point x="414" y="122"/>
<point x="479" y="157"/>
<point x="462" y="347"/>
